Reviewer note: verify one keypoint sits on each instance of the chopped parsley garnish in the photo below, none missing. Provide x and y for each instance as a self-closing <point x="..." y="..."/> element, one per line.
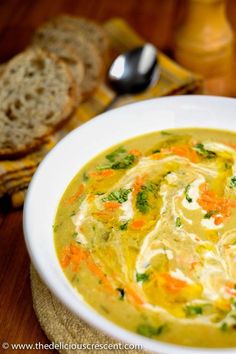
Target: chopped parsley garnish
<point x="186" y="192"/>
<point x="119" y="196"/>
<point x="100" y="193"/>
<point x="224" y="327"/>
<point x="119" y="159"/>
<point x="142" y="201"/>
<point x="74" y="234"/>
<point x="204" y="152"/>
<point x="233" y="301"/>
<point x="178" y="222"/>
<point x="233" y="315"/>
<point x="142" y="277"/>
<point x="124" y="226"/>
<point x="232" y="183"/>
<point x="124" y="163"/>
<point x="121" y="293"/>
<point x="227" y="166"/>
<point x="156" y="151"/>
<point x="209" y="214"/>
<point x="56" y="227"/>
<point x="113" y="155"/>
<point x="153" y="188"/>
<point x="193" y="310"/>
<point x="142" y="197"/>
<point x="85" y="177"/>
<point x="73" y="213"/>
<point x="150" y="331"/>
<point x="164" y="132"/>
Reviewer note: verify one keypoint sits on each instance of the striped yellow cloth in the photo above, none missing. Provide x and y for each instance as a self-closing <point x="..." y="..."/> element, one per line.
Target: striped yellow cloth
<point x="15" y="175"/>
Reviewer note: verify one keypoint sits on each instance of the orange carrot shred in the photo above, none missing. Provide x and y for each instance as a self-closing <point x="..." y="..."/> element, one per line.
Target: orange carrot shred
<point x="135" y="152"/>
<point x="137" y="224"/>
<point x="133" y="296"/>
<point x="103" y="173"/>
<point x="173" y="284"/>
<point x="138" y="183"/>
<point x="73" y="198"/>
<point x="185" y="151"/>
<point x="111" y="205"/>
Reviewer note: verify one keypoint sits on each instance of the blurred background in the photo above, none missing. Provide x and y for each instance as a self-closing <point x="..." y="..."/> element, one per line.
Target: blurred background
<point x="157" y="21"/>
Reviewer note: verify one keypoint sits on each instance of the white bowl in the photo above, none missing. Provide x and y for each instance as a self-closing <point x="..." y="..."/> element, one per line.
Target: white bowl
<point x="66" y="159"/>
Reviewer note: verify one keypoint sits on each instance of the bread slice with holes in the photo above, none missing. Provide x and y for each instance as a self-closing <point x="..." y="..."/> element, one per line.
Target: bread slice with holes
<point x="70" y="57"/>
<point x="37" y="95"/>
<point x="91" y="31"/>
<point x="47" y="36"/>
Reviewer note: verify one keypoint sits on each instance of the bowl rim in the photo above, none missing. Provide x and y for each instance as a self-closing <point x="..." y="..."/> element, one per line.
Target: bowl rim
<point x="88" y="314"/>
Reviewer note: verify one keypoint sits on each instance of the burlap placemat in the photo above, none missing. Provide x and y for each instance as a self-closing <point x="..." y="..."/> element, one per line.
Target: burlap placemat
<point x="61" y="326"/>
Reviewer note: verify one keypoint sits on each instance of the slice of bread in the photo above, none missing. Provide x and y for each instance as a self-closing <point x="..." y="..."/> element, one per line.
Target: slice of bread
<point x="70" y="57"/>
<point x="37" y="95"/>
<point x="46" y="35"/>
<point x="90" y="30"/>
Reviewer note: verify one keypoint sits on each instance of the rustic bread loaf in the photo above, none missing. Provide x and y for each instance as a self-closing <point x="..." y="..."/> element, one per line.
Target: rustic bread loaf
<point x="36" y="96"/>
<point x="47" y="35"/>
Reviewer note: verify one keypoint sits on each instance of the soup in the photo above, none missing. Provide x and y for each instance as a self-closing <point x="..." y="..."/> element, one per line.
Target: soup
<point x="146" y="233"/>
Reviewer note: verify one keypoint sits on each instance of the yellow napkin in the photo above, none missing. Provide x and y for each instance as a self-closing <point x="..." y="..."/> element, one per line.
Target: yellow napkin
<point x="16" y="174"/>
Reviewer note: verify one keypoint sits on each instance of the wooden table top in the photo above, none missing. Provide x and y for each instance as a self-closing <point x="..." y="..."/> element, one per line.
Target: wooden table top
<point x="155" y="20"/>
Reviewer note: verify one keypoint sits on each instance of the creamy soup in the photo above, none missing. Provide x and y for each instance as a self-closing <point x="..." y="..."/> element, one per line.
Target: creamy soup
<point x="146" y="233"/>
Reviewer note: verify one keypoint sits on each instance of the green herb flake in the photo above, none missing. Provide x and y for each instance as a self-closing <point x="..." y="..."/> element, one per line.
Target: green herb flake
<point x="164" y="132"/>
<point x="104" y="167"/>
<point x="224" y="327"/>
<point x="119" y="159"/>
<point x="121" y="293"/>
<point x="85" y="177"/>
<point x="193" y="310"/>
<point x="73" y="213"/>
<point x="119" y="196"/>
<point x="56" y="227"/>
<point x="142" y="201"/>
<point x="150" y="331"/>
<point x="232" y="183"/>
<point x="124" y="226"/>
<point x="186" y="192"/>
<point x="113" y="155"/>
<point x="75" y="234"/>
<point x="233" y="315"/>
<point x="209" y="214"/>
<point x="124" y="163"/>
<point x="227" y="166"/>
<point x="142" y="277"/>
<point x="204" y="152"/>
<point x="178" y="222"/>
<point x="233" y="301"/>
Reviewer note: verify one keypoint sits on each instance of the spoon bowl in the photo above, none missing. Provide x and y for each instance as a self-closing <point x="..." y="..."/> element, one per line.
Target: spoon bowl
<point x="135" y="70"/>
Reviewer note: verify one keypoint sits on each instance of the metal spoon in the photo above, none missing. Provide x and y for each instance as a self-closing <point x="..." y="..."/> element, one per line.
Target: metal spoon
<point x="135" y="70"/>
